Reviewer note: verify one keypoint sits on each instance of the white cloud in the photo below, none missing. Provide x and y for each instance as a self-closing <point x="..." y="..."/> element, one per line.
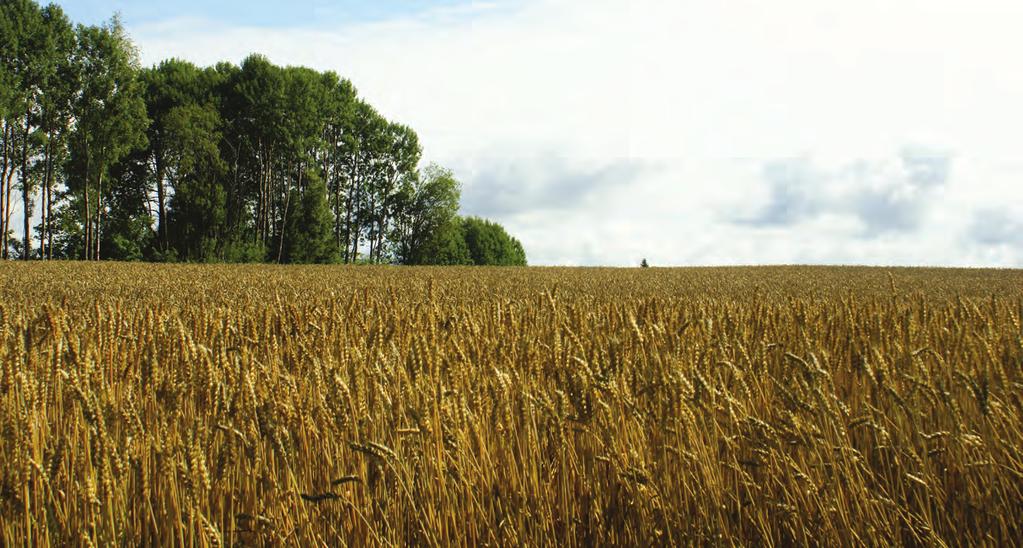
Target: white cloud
<point x="602" y="132"/>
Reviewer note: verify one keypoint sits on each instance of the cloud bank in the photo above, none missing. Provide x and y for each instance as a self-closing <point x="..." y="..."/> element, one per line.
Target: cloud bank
<point x="695" y="132"/>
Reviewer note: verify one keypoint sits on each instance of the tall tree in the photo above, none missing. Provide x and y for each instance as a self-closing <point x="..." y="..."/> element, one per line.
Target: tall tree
<point x="22" y="23"/>
<point x="302" y="133"/>
<point x="171" y="84"/>
<point x="398" y="163"/>
<point x="36" y="59"/>
<point x="425" y="204"/>
<point x="30" y="67"/>
<point x="363" y="144"/>
<point x="339" y="112"/>
<point x="55" y="116"/>
<point x="260" y="102"/>
<point x="9" y="85"/>
<point x="197" y="208"/>
<point x="111" y="120"/>
<point x="241" y="241"/>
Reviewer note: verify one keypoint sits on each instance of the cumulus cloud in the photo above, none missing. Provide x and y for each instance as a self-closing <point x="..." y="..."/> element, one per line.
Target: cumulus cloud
<point x="792" y="193"/>
<point x="926" y="167"/>
<point x="884" y="195"/>
<point x="897" y="196"/>
<point x="504" y="186"/>
<point x="997" y="227"/>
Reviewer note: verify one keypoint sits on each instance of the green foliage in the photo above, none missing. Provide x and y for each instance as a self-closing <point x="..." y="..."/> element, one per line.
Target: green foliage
<point x="255" y="162"/>
<point x="110" y="123"/>
<point x="8" y="54"/>
<point x="471" y="241"/>
<point x="243" y="251"/>
<point x="198" y="207"/>
<point x="175" y="90"/>
<point x="127" y="238"/>
<point x="110" y="110"/>
<point x="447" y="246"/>
<point x="127" y="233"/>
<point x="424" y="205"/>
<point x="36" y="86"/>
<point x="490" y="244"/>
<point x="309" y="235"/>
<point x="196" y="216"/>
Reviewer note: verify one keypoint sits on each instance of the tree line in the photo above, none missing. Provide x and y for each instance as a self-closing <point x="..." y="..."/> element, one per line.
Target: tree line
<point x="229" y="163"/>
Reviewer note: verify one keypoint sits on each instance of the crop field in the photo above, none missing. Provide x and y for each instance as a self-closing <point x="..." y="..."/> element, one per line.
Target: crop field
<point x="325" y="406"/>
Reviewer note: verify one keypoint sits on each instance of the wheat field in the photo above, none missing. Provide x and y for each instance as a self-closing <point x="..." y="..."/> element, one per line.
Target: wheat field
<point x="324" y="406"/>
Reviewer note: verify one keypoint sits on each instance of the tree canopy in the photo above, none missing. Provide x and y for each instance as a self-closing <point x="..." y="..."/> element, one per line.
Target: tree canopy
<point x="176" y="162"/>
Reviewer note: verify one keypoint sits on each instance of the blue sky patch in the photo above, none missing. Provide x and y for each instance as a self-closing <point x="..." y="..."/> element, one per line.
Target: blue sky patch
<point x="255" y="13"/>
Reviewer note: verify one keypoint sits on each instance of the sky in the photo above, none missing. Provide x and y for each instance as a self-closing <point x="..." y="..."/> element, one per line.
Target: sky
<point x="686" y="132"/>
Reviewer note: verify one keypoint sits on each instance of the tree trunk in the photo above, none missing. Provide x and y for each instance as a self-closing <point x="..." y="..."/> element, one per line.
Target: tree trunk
<point x="87" y="255"/>
<point x="382" y="223"/>
<point x="8" y="188"/>
<point x="99" y="213"/>
<point x="161" y="201"/>
<point x="275" y="202"/>
<point x="357" y="228"/>
<point x="372" y="221"/>
<point x="284" y="227"/>
<point x="265" y="195"/>
<point x="48" y="208"/>
<point x="269" y="209"/>
<point x="337" y="212"/>
<point x="26" y="191"/>
<point x="42" y="199"/>
<point x="4" y="161"/>
<point x="234" y="199"/>
<point x="267" y="204"/>
<point x="260" y="199"/>
<point x="352" y="231"/>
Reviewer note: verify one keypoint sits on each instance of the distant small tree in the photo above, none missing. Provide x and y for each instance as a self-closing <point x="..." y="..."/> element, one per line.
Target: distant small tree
<point x="644" y="264"/>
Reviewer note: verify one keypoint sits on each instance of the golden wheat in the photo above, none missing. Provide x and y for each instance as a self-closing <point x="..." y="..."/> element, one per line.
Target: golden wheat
<point x="260" y="405"/>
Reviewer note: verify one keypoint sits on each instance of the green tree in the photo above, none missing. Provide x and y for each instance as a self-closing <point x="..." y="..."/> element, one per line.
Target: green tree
<point x="339" y="110"/>
<point x="55" y="117"/>
<point x="198" y="207"/>
<point x="27" y="63"/>
<point x="8" y="53"/>
<point x="110" y="118"/>
<point x="490" y="244"/>
<point x="447" y="247"/>
<point x="399" y="158"/>
<point x="170" y="85"/>
<point x="259" y="100"/>
<point x="127" y="228"/>
<point x="363" y="144"/>
<point x="36" y="84"/>
<point x="10" y="86"/>
<point x="301" y="143"/>
<point x="310" y="232"/>
<point x="424" y="205"/>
